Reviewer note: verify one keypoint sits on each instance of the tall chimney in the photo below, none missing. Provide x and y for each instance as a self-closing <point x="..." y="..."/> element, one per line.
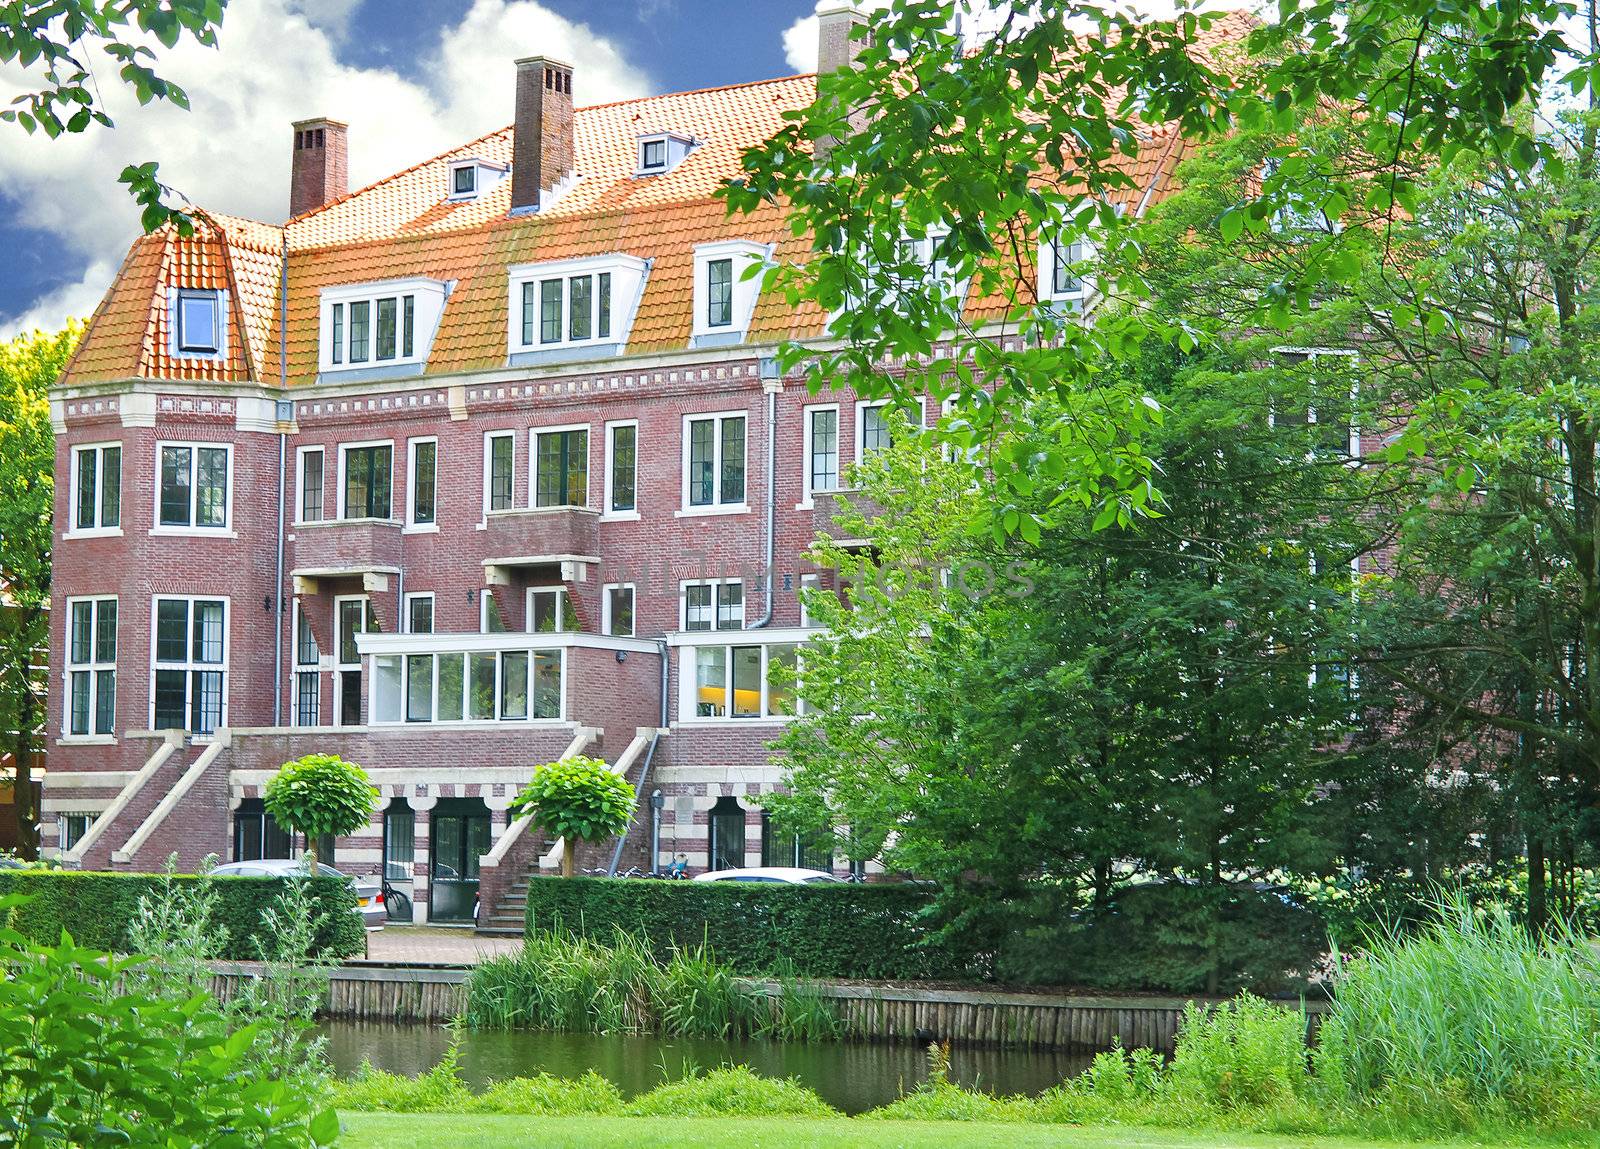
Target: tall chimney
<point x="542" y="150"/>
<point x="837" y="48"/>
<point x="321" y="170"/>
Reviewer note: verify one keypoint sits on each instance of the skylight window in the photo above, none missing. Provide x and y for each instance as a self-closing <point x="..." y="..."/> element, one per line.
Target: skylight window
<point x="199" y="322"/>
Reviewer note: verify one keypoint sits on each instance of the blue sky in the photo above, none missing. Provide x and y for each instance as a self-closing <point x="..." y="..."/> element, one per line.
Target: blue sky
<point x="412" y="77"/>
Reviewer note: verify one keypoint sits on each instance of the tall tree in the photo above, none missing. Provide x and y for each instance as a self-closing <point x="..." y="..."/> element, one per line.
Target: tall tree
<point x="29" y="365"/>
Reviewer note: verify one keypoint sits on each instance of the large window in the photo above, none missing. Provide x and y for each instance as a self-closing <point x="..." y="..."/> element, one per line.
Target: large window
<point x="561" y="468"/>
<point x="822" y="449"/>
<point x="381" y="325"/>
<point x="367" y="477"/>
<point x="424" y="481"/>
<point x="714" y="458"/>
<point x="499" y="471"/>
<point x="191" y="664"/>
<point x="550" y="611"/>
<point x="97" y="487"/>
<point x="566" y="310"/>
<point x="743" y="681"/>
<point x="307" y="672"/>
<point x="467" y="686"/>
<point x="618" y="609"/>
<point x="194" y="490"/>
<point x="713" y="605"/>
<point x="622" y="468"/>
<point x="310" y="500"/>
<point x="91" y="666"/>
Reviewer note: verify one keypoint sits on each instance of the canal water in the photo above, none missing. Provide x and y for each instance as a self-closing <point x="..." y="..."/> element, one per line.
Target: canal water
<point x="851" y="1076"/>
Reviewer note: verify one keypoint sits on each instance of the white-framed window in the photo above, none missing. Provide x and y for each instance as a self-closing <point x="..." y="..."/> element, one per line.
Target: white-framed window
<point x="366" y="480"/>
<point x="714" y="460"/>
<point x="422" y="481"/>
<point x="463" y="181"/>
<point x="383" y="324"/>
<point x="808" y="584"/>
<point x="660" y="151"/>
<point x="821" y="449"/>
<point x="723" y="298"/>
<point x="419" y="613"/>
<point x="1062" y="276"/>
<point x="310" y="484"/>
<point x="190" y="664"/>
<point x="499" y="470"/>
<point x="617" y="609"/>
<point x="740" y="681"/>
<point x="71" y="828"/>
<point x="712" y="604"/>
<point x="622" y="469"/>
<point x="194" y="486"/>
<point x="873" y="428"/>
<point x="927" y="252"/>
<point x="199" y="327"/>
<point x="352" y="615"/>
<point x="550" y="611"/>
<point x="561" y="466"/>
<point x="444" y="687"/>
<point x="96" y="496"/>
<point x="1331" y="402"/>
<point x="490" y="620"/>
<point x="653" y="155"/>
<point x="307" y="671"/>
<point x="573" y="302"/>
<point x="91" y="673"/>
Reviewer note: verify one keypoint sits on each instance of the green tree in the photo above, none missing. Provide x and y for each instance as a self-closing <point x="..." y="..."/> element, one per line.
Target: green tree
<point x="320" y="796"/>
<point x="56" y="43"/>
<point x="29" y="365"/>
<point x="578" y="799"/>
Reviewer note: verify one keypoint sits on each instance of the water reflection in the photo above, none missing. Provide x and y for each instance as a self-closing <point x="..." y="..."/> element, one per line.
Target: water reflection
<point x="853" y="1077"/>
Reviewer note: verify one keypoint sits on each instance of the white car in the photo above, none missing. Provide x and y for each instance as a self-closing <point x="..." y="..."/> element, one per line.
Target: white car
<point x="369" y="892"/>
<point x="787" y="875"/>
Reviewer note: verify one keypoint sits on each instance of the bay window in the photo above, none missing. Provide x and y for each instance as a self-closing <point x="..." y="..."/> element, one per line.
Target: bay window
<point x="452" y="686"/>
<point x="743" y="681"/>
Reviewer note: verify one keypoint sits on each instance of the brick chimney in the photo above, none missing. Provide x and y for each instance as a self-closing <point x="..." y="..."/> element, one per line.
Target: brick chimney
<point x="837" y="48"/>
<point x="543" y="152"/>
<point x="321" y="169"/>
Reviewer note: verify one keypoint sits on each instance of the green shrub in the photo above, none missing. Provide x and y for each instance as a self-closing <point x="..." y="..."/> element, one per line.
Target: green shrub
<point x="98" y="909"/>
<point x="547" y="1096"/>
<point x="940" y="1099"/>
<point x="850" y="931"/>
<point x="320" y="795"/>
<point x="1470" y="1021"/>
<point x="1242" y="1054"/>
<point x="578" y="799"/>
<point x="732" y="1091"/>
<point x="440" y="1090"/>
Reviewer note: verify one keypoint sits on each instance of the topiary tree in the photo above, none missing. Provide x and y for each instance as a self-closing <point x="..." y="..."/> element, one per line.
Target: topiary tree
<point x="578" y="799"/>
<point x="320" y="795"/>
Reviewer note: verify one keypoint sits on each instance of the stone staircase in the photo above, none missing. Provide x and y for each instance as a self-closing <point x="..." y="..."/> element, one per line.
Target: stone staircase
<point x="508" y="915"/>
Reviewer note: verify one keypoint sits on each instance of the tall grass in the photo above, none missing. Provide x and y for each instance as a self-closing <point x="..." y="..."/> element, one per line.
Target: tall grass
<point x="1469" y="1019"/>
<point x="561" y="982"/>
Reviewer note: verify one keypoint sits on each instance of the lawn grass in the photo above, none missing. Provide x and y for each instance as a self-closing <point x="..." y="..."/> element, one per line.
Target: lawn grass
<point x="454" y="1131"/>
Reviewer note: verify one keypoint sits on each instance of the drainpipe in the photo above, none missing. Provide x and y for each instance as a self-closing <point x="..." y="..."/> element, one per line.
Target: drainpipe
<point x="283" y="471"/>
<point x="771" y="383"/>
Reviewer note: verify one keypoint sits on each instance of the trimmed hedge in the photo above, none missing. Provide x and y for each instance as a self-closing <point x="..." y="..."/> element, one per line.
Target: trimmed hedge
<point x="96" y="908"/>
<point x="848" y="931"/>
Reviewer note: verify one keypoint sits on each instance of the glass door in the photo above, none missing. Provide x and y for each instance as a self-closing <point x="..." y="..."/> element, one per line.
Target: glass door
<point x="458" y="837"/>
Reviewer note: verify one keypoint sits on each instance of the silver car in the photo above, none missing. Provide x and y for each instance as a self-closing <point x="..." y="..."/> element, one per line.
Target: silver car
<point x="369" y="891"/>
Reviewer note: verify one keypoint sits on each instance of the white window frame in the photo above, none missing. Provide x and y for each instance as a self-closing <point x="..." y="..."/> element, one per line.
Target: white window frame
<point x="1312" y="354"/>
<point x="339" y="668"/>
<point x="94" y="667"/>
<point x="606" y="512"/>
<point x="225" y="530"/>
<point x="743" y="293"/>
<point x="807" y="582"/>
<point x="300" y="484"/>
<point x="806" y="487"/>
<point x="434" y="650"/>
<point x="298" y="668"/>
<point x="1049" y="248"/>
<point x="627" y="279"/>
<point x="176" y="331"/>
<point x="412" y="524"/>
<point x="344" y="457"/>
<point x="862" y="407"/>
<point x="688" y="674"/>
<point x="564" y="608"/>
<point x="716" y="585"/>
<point x="645" y="167"/>
<point x="533" y="464"/>
<point x="716" y="506"/>
<point x="433" y="611"/>
<point x="675" y="147"/>
<point x="428" y="299"/>
<point x="485" y="597"/>
<point x="488" y="470"/>
<point x="100" y="529"/>
<point x="189" y="666"/>
<point x="605" y="607"/>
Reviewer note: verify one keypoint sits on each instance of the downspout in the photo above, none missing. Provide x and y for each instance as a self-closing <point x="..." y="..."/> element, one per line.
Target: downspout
<point x="283" y="472"/>
<point x="771" y="383"/>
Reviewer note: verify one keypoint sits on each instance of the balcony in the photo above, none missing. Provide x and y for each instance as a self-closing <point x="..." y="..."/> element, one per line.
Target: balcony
<point x="828" y="506"/>
<point x="541" y="536"/>
<point x="344" y="548"/>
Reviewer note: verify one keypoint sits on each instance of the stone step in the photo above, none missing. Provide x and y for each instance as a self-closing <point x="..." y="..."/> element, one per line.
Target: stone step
<point x="499" y="931"/>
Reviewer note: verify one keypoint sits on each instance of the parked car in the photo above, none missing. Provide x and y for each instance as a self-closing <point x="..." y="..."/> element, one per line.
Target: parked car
<point x="787" y="875"/>
<point x="369" y="892"/>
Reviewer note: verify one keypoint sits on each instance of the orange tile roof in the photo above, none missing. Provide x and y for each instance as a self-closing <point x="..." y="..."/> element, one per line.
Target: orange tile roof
<point x="402" y="225"/>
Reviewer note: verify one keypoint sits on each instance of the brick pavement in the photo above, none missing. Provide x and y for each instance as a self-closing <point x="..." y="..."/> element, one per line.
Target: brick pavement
<point x="435" y="945"/>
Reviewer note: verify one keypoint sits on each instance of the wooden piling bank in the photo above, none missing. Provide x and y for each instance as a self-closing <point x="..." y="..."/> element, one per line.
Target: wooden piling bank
<point x="436" y="994"/>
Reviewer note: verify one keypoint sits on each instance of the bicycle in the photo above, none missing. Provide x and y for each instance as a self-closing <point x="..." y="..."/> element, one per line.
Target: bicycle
<point x="397" y="903"/>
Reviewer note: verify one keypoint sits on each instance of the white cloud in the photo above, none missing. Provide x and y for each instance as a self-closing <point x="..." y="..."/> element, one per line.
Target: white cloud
<point x="231" y="151"/>
<point x="69" y="301"/>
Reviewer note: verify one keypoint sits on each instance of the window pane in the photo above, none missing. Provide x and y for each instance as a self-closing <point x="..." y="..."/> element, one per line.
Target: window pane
<point x="399" y="840"/>
<point x="208" y="632"/>
<point x="408" y="326"/>
<point x="386" y="328"/>
<point x="175" y="478"/>
<point x="105" y="631"/>
<point x="546" y="615"/>
<point x="546" y="684"/>
<point x="305" y="641"/>
<point x="105" y="701"/>
<point x="711" y="681"/>
<point x="338" y="333"/>
<point x="824" y="450"/>
<point x="730" y="606"/>
<point x="580" y="307"/>
<point x="351" y="616"/>
<point x="307" y="702"/>
<point x="501" y="449"/>
<point x="563" y="469"/>
<point x="385" y="690"/>
<point x="206" y="700"/>
<point x="480" y="697"/>
<point x="702" y="461"/>
<point x="493" y="621"/>
<point x="624" y="463"/>
<point x="466" y="180"/>
<point x="514" y="684"/>
<point x="211" y="508"/>
<point x="781" y="667"/>
<point x="82" y="631"/>
<point x="423" y="478"/>
<point x="172" y="631"/>
<point x="874" y="428"/>
<point x="82" y="681"/>
<point x="419" y="688"/>
<point x="720" y="293"/>
<point x="110" y="486"/>
<point x="746" y="681"/>
<point x="88" y="462"/>
<point x="360" y="320"/>
<point x="529" y="300"/>
<point x="550" y="311"/>
<point x="697" y="607"/>
<point x="419" y="618"/>
<point x="311" y="487"/>
<point x="621" y="607"/>
<point x="602" y="324"/>
<point x="197" y="321"/>
<point x="172" y="695"/>
<point x="1066" y="255"/>
<point x="452" y="681"/>
<point x="733" y="460"/>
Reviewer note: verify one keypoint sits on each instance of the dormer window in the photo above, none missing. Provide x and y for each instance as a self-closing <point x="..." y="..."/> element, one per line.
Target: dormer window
<point x="197" y="324"/>
<point x="573" y="303"/>
<point x="1062" y="277"/>
<point x="385" y="327"/>
<point x="660" y="151"/>
<point x="473" y="177"/>
<point x="723" y="298"/>
<point x="464" y="180"/>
